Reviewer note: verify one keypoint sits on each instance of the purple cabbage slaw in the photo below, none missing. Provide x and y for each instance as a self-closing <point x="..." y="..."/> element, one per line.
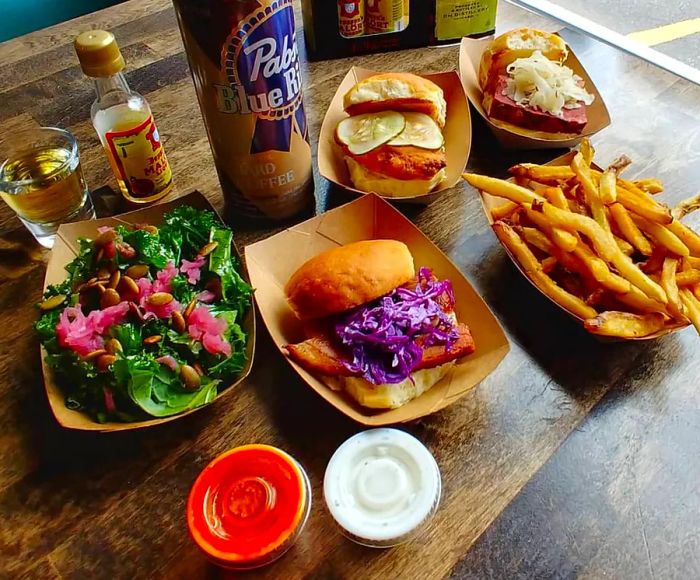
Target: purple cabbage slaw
<point x="382" y="335"/>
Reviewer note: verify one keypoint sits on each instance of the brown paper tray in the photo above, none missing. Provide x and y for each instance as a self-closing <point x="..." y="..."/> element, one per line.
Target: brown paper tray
<point x="65" y="249"/>
<point x="272" y="261"/>
<point x="512" y="137"/>
<point x="488" y="202"/>
<point x="457" y="134"/>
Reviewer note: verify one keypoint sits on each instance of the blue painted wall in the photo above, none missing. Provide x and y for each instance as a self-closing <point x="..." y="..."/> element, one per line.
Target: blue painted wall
<point x="18" y="17"/>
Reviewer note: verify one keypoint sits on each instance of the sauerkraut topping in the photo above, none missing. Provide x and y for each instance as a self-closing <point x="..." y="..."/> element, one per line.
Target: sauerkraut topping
<point x="549" y="86"/>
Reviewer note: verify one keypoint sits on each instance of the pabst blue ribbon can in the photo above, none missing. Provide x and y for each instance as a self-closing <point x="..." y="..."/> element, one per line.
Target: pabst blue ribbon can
<point x="244" y="62"/>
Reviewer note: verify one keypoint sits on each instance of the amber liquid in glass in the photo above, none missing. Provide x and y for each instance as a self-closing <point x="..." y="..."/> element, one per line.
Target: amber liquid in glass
<point x="57" y="190"/>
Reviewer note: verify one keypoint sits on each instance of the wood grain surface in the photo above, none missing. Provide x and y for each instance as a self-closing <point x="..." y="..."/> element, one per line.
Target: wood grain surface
<point x="575" y="458"/>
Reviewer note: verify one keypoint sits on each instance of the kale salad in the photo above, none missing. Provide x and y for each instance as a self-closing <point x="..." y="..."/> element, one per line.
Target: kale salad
<point x="148" y="322"/>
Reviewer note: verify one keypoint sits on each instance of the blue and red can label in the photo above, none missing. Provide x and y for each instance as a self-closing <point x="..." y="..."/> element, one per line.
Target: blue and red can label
<point x="245" y="64"/>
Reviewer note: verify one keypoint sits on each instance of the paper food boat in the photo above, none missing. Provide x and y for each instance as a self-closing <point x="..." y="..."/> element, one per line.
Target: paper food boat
<point x="489" y="202"/>
<point x="272" y="261"/>
<point x="511" y="137"/>
<point x="457" y="134"/>
<point x="64" y="250"/>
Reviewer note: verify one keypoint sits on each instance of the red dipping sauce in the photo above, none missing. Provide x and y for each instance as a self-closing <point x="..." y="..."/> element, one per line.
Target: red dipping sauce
<point x="248" y="506"/>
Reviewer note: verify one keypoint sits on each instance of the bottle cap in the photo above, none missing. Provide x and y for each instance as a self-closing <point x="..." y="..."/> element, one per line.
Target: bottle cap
<point x="98" y="53"/>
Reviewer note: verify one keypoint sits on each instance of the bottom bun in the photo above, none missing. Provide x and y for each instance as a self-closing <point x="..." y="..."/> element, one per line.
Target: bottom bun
<point x="389" y="396"/>
<point x="371" y="182"/>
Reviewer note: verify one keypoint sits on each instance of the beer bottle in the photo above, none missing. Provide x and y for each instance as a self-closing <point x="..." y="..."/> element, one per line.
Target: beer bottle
<point x="245" y="65"/>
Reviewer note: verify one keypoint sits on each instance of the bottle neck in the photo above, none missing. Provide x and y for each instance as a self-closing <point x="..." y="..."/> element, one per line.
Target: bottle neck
<point x="115" y="82"/>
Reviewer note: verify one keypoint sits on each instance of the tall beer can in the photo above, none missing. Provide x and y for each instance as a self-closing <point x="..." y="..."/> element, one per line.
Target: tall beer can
<point x="385" y="16"/>
<point x="351" y="17"/>
<point x="244" y="62"/>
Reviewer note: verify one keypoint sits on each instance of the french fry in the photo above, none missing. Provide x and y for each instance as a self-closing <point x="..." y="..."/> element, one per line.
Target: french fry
<point x="692" y="262"/>
<point x="686" y="206"/>
<point x="688" y="278"/>
<point x="625" y="247"/>
<point x="637" y="300"/>
<point x="661" y="235"/>
<point x="599" y="270"/>
<point x="686" y="235"/>
<point x="692" y="307"/>
<point x="587" y="152"/>
<point x="654" y="212"/>
<point x="629" y="229"/>
<point x="649" y="185"/>
<point x="536" y="238"/>
<point x="608" y="187"/>
<point x="668" y="283"/>
<point x="590" y="191"/>
<point x="555" y="196"/>
<point x="620" y="164"/>
<point x="532" y="267"/>
<point x="655" y="261"/>
<point x="542" y="172"/>
<point x="503" y="211"/>
<point x="548" y="264"/>
<point x="501" y="188"/>
<point x="563" y="239"/>
<point x="625" y="324"/>
<point x="696" y="291"/>
<point x="606" y="248"/>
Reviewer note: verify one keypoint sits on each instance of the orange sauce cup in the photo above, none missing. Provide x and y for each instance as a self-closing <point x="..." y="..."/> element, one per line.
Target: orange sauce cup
<point x="248" y="506"/>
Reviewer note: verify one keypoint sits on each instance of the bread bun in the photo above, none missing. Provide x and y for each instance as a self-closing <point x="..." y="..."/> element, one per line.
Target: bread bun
<point x="397" y="92"/>
<point x="367" y="180"/>
<point x="348" y="276"/>
<point x="519" y="43"/>
<point x="389" y="396"/>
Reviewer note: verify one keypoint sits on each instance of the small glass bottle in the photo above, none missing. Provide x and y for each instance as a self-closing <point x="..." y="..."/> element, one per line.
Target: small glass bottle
<point x="124" y="122"/>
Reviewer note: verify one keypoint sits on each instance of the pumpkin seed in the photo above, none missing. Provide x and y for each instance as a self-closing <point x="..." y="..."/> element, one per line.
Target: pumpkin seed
<point x="114" y="279"/>
<point x="106" y="237"/>
<point x="103" y="362"/>
<point x="129" y="284"/>
<point x="190" y="377"/>
<point x="160" y="298"/>
<point x="190" y="307"/>
<point x="52" y="302"/>
<point x="208" y="248"/>
<point x="110" y="297"/>
<point x="137" y="271"/>
<point x="113" y="346"/>
<point x="179" y="323"/>
<point x="95" y="353"/>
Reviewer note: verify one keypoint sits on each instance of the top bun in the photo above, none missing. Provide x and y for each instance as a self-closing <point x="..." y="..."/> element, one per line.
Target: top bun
<point x="348" y="276"/>
<point x="519" y="43"/>
<point x="397" y="92"/>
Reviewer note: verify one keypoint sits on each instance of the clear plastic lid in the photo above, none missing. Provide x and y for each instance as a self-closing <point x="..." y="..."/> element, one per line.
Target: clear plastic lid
<point x="248" y="506"/>
<point x="382" y="486"/>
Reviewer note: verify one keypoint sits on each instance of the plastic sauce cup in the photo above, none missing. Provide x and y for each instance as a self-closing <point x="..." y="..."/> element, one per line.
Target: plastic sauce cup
<point x="382" y="486"/>
<point x="248" y="506"/>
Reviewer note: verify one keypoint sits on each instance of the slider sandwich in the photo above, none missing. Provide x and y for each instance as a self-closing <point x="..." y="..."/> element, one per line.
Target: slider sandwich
<point x="392" y="141"/>
<point x="525" y="83"/>
<point x="376" y="329"/>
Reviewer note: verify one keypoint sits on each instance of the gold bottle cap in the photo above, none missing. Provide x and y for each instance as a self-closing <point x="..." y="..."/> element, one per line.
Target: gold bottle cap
<point x="98" y="53"/>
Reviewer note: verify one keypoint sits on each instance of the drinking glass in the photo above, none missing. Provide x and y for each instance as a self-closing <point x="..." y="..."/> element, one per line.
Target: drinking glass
<point x="42" y="181"/>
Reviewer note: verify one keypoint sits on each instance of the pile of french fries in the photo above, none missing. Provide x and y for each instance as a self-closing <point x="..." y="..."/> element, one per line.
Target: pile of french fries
<point x="600" y="246"/>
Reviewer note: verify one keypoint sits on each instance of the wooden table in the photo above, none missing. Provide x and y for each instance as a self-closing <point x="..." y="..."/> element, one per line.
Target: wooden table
<point x="574" y="459"/>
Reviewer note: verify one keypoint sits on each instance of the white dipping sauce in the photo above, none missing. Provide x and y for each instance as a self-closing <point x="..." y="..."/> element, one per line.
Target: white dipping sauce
<point x="381" y="485"/>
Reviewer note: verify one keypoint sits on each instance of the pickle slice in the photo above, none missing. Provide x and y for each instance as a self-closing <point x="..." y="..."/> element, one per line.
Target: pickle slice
<point x="362" y="133"/>
<point x="420" y="131"/>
